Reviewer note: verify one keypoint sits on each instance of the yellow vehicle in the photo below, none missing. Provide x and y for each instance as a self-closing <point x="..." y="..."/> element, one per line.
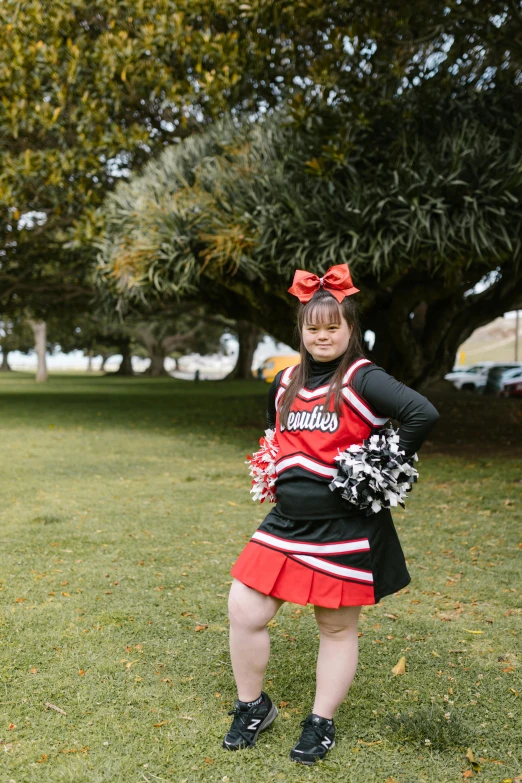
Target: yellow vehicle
<point x="273" y="364"/>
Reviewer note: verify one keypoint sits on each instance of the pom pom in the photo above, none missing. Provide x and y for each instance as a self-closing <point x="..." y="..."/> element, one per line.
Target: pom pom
<point x="262" y="468"/>
<point x="377" y="474"/>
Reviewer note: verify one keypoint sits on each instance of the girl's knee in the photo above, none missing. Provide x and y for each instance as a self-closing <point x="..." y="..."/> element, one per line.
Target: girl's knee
<point x="250" y="608"/>
<point x="337" y="623"/>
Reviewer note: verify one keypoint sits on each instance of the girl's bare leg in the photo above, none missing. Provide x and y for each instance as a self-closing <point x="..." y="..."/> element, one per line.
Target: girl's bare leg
<point x="249" y="613"/>
<point x="337" y="659"/>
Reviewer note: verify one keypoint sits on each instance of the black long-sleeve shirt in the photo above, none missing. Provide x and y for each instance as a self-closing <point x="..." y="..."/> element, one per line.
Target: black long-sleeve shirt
<point x="303" y="498"/>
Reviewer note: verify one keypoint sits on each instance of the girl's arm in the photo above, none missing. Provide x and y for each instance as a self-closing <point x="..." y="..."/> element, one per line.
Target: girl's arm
<point x="389" y="397"/>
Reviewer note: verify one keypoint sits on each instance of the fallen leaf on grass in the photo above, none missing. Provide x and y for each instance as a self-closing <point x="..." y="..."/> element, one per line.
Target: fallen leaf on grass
<point x="43" y="759"/>
<point x="284" y="703"/>
<point x="467" y="774"/>
<point x="81" y="673"/>
<point x="470" y="631"/>
<point x="400" y="667"/>
<point x="187" y="614"/>
<point x="20" y="600"/>
<point x="33" y="670"/>
<point x="11" y="727"/>
<point x="161" y="723"/>
<point x="209" y="761"/>
<point x="200" y="627"/>
<point x="186" y="717"/>
<point x="131" y="663"/>
<point x="49" y="706"/>
<point x="471" y="758"/>
<point x="391" y="616"/>
<point x="376" y="742"/>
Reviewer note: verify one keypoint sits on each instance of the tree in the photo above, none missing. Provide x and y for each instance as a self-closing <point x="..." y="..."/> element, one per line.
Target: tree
<point x="178" y="331"/>
<point x="92" y="90"/>
<point x="421" y="215"/>
<point x="15" y="335"/>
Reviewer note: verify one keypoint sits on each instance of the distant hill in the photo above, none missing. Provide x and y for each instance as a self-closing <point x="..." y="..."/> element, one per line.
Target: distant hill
<point x="494" y="342"/>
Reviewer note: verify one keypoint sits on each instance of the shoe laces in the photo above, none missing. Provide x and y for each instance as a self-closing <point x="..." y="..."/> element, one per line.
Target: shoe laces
<point x="311" y="732"/>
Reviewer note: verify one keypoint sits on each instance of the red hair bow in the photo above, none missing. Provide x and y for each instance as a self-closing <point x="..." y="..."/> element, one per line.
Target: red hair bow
<point x="338" y="281"/>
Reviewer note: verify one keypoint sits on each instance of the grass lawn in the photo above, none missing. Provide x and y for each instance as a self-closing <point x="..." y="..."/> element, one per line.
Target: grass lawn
<point x="123" y="505"/>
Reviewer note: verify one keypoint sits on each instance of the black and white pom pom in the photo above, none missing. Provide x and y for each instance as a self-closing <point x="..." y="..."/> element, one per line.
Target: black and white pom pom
<point x="262" y="469"/>
<point x="377" y="474"/>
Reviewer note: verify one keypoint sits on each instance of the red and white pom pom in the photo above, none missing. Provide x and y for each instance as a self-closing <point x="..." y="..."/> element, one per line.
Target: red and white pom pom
<point x="262" y="468"/>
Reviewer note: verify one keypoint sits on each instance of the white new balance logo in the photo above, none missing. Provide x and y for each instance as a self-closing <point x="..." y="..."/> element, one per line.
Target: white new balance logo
<point x="254" y="724"/>
<point x="326" y="742"/>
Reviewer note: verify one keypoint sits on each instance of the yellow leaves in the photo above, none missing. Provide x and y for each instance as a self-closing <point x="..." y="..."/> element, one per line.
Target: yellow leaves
<point x="81" y="673"/>
<point x="468" y="630"/>
<point x="200" y="627"/>
<point x="435" y="654"/>
<point x="43" y="758"/>
<point x="400" y="667"/>
<point x="161" y="723"/>
<point x="123" y="74"/>
<point x="56" y="114"/>
<point x="33" y="670"/>
<point x="471" y="758"/>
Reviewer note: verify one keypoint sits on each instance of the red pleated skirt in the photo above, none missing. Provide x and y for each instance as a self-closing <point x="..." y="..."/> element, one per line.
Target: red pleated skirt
<point x="280" y="575"/>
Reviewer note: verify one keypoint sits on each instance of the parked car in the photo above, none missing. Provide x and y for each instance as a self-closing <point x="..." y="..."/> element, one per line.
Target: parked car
<point x="273" y="364"/>
<point x="495" y="375"/>
<point x="512" y="383"/>
<point x="471" y="378"/>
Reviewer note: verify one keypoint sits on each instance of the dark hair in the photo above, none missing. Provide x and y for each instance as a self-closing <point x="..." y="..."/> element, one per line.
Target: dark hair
<point x="324" y="308"/>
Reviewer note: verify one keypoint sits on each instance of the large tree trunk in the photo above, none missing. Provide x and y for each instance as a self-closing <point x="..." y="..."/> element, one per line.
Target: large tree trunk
<point x="158" y="350"/>
<point x="40" y="346"/>
<point x="125" y="367"/>
<point x="420" y="327"/>
<point x="89" y="361"/>
<point x="248" y="336"/>
<point x="156" y="368"/>
<point x="4" y="367"/>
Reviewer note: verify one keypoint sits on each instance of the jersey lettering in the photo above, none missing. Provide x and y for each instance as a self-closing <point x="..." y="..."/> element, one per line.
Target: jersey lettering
<point x="312" y="420"/>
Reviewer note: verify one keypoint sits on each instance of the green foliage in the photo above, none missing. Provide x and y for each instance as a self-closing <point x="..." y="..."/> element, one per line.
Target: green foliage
<point x="244" y="204"/>
<point x="92" y="90"/>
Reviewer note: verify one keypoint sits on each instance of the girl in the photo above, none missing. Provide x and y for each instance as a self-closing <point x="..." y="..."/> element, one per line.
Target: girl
<point x="314" y="546"/>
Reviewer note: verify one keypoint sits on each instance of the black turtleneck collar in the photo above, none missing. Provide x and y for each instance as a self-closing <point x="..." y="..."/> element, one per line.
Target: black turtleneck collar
<point x="322" y="370"/>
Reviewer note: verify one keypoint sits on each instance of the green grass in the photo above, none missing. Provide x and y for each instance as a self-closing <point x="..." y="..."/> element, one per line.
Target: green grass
<point x="123" y="505"/>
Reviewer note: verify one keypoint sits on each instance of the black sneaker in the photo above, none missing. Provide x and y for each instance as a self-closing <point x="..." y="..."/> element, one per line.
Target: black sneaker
<point x="317" y="738"/>
<point x="249" y="719"/>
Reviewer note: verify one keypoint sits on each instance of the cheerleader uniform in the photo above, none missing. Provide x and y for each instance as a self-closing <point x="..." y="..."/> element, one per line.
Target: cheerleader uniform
<point x="314" y="546"/>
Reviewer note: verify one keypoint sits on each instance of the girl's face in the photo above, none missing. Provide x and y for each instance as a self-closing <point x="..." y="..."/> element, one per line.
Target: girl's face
<point x="326" y="341"/>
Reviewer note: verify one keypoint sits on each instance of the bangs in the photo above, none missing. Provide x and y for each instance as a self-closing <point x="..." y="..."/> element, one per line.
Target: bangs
<point x="323" y="310"/>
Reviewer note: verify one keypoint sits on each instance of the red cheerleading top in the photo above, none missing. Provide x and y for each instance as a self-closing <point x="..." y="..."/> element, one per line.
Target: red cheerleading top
<point x="314" y="436"/>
